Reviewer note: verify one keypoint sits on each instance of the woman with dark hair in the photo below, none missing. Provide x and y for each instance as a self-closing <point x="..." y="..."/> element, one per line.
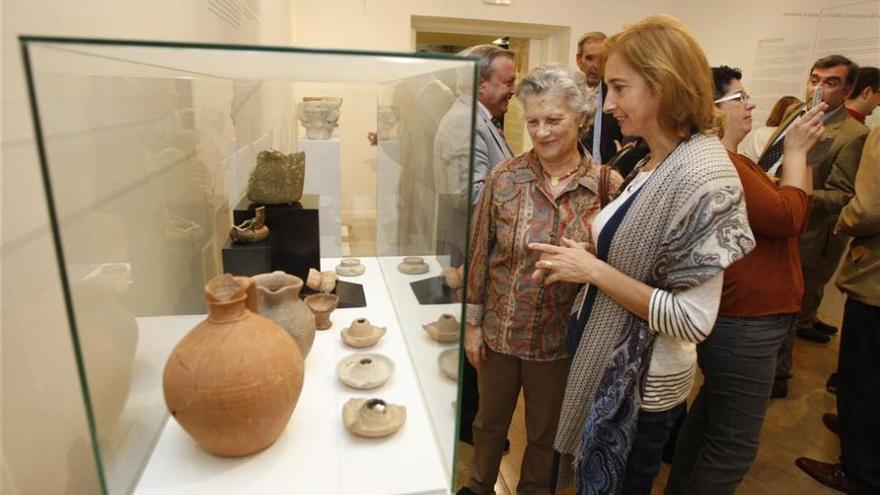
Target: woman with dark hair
<point x="653" y="285"/>
<point x="756" y="140"/>
<point x="761" y="294"/>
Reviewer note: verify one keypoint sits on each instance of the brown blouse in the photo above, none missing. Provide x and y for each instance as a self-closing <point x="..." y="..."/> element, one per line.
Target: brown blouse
<point x="519" y="316"/>
<point x="767" y="281"/>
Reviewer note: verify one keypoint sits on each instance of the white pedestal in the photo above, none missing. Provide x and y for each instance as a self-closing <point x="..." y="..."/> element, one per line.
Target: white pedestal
<point x="323" y="177"/>
<point x="388" y="214"/>
<point x="439" y="391"/>
<point x="316" y="454"/>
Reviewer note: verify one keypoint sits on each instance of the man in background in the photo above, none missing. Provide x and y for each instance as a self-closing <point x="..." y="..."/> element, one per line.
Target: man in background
<point x="865" y="95"/>
<point x="859" y="366"/>
<point x="834" y="162"/>
<point x="603" y="136"/>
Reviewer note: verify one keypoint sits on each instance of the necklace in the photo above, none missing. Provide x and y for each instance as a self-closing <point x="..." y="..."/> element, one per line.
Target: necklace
<point x="554" y="180"/>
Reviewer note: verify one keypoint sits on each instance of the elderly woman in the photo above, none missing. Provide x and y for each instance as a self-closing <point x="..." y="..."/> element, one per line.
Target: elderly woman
<point x="761" y="294"/>
<point x="515" y="332"/>
<point x="654" y="282"/>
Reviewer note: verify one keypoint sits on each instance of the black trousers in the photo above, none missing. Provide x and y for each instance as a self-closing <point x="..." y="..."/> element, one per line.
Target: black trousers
<point x="858" y="395"/>
<point x="470" y="402"/>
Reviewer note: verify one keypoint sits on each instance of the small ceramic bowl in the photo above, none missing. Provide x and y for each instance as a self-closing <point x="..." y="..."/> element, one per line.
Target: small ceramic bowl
<point x="448" y="361"/>
<point x="350" y="267"/>
<point x="412" y="265"/>
<point x="322" y="305"/>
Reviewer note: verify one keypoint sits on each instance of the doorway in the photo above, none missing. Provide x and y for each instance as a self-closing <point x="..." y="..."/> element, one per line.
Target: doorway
<point x="533" y="45"/>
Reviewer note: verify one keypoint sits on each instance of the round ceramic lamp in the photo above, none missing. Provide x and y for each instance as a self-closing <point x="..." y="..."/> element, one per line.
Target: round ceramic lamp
<point x="372" y="417"/>
<point x="361" y="333"/>
<point x="445" y="330"/>
<point x="365" y="371"/>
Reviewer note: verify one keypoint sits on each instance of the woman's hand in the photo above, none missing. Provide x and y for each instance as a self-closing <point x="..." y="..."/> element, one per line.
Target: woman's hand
<point x="474" y="347"/>
<point x="805" y="131"/>
<point x="570" y="262"/>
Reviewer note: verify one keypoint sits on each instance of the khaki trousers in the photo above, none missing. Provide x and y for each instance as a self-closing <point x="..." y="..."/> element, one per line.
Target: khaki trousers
<point x="499" y="380"/>
<point x="820" y="254"/>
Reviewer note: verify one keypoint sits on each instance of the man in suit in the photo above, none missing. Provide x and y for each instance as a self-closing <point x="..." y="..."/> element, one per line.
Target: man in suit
<point x="859" y="365"/>
<point x="603" y="134"/>
<point x="497" y="77"/>
<point x="452" y="162"/>
<point x="865" y="96"/>
<point x="834" y="162"/>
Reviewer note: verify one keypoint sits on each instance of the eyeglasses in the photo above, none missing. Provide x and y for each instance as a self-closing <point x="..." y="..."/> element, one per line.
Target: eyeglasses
<point x="740" y="96"/>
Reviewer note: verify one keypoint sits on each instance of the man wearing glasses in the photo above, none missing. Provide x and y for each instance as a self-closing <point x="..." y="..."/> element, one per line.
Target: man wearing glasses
<point x="834" y="161"/>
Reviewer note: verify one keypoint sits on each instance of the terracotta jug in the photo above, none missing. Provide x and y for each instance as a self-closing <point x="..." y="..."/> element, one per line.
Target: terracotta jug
<point x="278" y="296"/>
<point x="233" y="381"/>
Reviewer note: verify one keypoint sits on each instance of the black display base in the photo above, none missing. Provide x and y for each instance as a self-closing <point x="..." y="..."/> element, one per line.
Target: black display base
<point x="248" y="259"/>
<point x="433" y="291"/>
<point x="294" y="239"/>
<point x="351" y="295"/>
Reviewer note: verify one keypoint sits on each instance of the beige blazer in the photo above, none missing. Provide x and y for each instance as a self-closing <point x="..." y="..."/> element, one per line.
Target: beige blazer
<point x="860" y="218"/>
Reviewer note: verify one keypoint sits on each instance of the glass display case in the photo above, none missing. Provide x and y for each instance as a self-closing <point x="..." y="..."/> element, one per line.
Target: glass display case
<point x="166" y="165"/>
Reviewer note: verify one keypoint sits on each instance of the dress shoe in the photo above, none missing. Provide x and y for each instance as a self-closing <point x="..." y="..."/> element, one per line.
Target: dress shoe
<point x="779" y="390"/>
<point x="813" y="335"/>
<point x="832" y="422"/>
<point x="831" y="384"/>
<point x="465" y="491"/>
<point x="830" y="475"/>
<point x="823" y="327"/>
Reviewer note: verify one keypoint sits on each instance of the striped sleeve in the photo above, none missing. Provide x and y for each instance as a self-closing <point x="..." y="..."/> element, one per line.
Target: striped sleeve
<point x="664" y="392"/>
<point x="688" y="315"/>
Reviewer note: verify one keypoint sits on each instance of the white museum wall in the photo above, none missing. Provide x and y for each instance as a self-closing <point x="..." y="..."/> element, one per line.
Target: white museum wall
<point x="45" y="441"/>
<point x="44" y="436"/>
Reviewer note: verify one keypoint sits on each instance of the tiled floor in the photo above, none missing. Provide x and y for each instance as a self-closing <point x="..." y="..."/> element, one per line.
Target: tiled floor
<point x="793" y="428"/>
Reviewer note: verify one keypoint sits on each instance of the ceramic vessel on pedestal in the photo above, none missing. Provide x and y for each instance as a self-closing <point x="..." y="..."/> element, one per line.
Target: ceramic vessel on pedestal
<point x="233" y="381"/>
<point x="322" y="305"/>
<point x="387" y="119"/>
<point x="277" y="178"/>
<point x="278" y="296"/>
<point x="319" y="115"/>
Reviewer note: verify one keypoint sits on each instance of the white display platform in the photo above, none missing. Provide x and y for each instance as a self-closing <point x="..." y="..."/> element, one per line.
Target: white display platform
<point x="316" y="454"/>
<point x="439" y="390"/>
<point x="323" y="177"/>
<point x="388" y="166"/>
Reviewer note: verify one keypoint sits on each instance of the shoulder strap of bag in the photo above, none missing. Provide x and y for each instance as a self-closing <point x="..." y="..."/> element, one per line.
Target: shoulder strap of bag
<point x="604" y="185"/>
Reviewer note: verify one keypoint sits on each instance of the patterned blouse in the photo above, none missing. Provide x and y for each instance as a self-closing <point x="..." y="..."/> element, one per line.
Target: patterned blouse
<point x="519" y="316"/>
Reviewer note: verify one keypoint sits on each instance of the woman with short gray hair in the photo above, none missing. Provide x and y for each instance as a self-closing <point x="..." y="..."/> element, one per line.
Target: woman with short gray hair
<point x="556" y="79"/>
<point x="516" y="327"/>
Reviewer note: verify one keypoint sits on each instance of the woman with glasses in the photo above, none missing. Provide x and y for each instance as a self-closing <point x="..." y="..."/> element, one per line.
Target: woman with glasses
<point x="761" y="294"/>
<point x="654" y="282"/>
